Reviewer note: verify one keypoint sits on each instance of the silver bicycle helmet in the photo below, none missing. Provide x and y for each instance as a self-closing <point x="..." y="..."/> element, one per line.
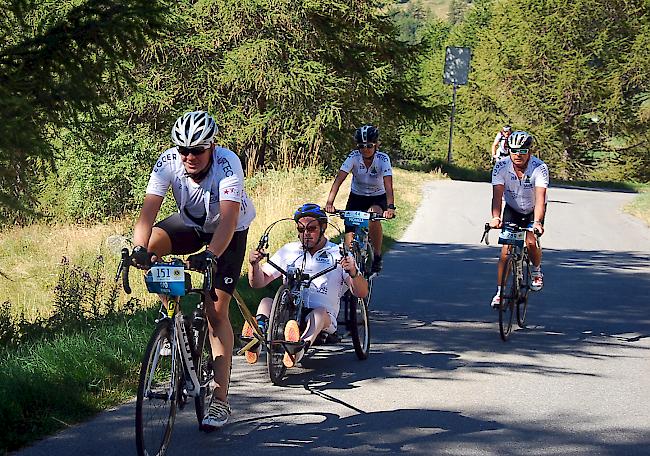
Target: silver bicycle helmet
<point x="194" y="129"/>
<point x="520" y="140"/>
<point x="366" y="134"/>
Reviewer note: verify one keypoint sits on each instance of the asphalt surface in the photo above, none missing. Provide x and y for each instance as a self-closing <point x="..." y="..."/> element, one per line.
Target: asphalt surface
<point x="439" y="380"/>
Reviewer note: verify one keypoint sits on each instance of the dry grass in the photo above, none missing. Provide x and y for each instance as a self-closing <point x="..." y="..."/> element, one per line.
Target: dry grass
<point x="30" y="256"/>
<point x="640" y="207"/>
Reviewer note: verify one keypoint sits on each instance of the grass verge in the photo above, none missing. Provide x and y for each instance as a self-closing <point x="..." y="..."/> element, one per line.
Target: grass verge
<point x="640" y="207"/>
<point x="96" y="368"/>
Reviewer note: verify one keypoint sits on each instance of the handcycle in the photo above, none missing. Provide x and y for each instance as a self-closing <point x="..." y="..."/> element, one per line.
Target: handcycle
<point x="288" y="304"/>
<point x="516" y="278"/>
<point x="177" y="363"/>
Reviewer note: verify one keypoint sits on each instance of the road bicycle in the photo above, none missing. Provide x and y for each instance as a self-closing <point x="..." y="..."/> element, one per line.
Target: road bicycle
<point x="516" y="278"/>
<point x="363" y="253"/>
<point x="177" y="362"/>
<point x="288" y="304"/>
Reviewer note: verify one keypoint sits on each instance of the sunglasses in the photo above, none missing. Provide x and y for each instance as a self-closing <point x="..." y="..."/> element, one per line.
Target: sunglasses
<point x="310" y="228"/>
<point x="365" y="145"/>
<point x="519" y="151"/>
<point x="196" y="151"/>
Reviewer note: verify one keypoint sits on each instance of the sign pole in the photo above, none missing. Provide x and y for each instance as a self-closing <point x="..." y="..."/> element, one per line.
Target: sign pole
<point x="451" y="125"/>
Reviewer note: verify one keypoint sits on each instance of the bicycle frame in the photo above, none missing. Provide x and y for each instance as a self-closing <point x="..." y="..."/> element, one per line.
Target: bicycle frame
<point x="180" y="343"/>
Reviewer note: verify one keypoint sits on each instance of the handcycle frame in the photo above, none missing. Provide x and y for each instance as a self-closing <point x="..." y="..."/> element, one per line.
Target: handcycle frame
<point x="288" y="303"/>
<point x="516" y="275"/>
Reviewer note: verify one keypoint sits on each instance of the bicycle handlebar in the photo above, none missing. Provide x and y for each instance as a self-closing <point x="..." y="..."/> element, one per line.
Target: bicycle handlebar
<point x="374" y="216"/>
<point x="487" y="229"/>
<point x="125" y="264"/>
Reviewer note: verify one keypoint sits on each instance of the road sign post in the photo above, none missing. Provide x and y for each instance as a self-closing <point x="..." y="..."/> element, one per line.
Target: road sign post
<point x="456" y="73"/>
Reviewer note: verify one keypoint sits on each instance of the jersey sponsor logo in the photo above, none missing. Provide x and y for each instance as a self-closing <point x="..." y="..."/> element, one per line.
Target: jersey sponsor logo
<point x="164" y="159"/>
<point x="323" y="257"/>
<point x="382" y="157"/>
<point x="232" y="191"/>
<point x="373" y="171"/>
<point x="225" y="166"/>
<point x="322" y="289"/>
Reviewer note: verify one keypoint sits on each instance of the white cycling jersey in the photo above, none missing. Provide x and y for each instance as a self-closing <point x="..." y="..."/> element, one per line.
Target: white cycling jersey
<point x="198" y="203"/>
<point x="325" y="291"/>
<point x="519" y="194"/>
<point x="367" y="181"/>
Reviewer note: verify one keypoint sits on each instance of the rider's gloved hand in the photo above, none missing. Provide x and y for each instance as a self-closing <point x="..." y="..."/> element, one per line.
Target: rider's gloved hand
<point x="140" y="258"/>
<point x="199" y="261"/>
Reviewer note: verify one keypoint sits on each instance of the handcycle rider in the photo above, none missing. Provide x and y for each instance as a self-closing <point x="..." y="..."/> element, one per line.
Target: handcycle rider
<point x="207" y="183"/>
<point x="372" y="187"/>
<point x="522" y="180"/>
<point x="324" y="294"/>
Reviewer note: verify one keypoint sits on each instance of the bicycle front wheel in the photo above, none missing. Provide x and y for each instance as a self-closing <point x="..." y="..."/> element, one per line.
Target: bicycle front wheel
<point x="508" y="298"/>
<point x="158" y="392"/>
<point x="522" y="302"/>
<point x="359" y="326"/>
<point x="281" y="313"/>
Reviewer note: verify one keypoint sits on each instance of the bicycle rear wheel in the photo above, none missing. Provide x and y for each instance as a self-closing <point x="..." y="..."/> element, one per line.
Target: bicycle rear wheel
<point x="524" y="288"/>
<point x="203" y="362"/>
<point x="508" y="298"/>
<point x="281" y="313"/>
<point x="359" y="326"/>
<point x="159" y="390"/>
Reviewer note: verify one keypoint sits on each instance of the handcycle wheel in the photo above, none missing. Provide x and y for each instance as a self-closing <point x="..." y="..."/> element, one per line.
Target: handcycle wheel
<point x="509" y="288"/>
<point x="159" y="390"/>
<point x="281" y="312"/>
<point x="522" y="302"/>
<point x="203" y="361"/>
<point x="359" y="326"/>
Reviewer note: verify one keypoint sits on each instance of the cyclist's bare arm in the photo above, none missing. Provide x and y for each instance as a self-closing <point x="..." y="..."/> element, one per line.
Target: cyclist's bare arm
<point x="494" y="148"/>
<point x="390" y="196"/>
<point x="229" y="214"/>
<point x="257" y="278"/>
<point x="497" y="202"/>
<point x="340" y="177"/>
<point x="148" y="213"/>
<point x="358" y="285"/>
<point x="540" y="207"/>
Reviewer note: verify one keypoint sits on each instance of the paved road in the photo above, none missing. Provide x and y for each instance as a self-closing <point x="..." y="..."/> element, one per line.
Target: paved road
<point x="439" y="379"/>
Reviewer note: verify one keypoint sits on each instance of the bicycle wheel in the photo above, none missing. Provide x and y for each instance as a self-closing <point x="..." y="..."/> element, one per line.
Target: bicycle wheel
<point x="203" y="361"/>
<point x="508" y="298"/>
<point x="524" y="288"/>
<point x="281" y="312"/>
<point x="158" y="393"/>
<point x="359" y="326"/>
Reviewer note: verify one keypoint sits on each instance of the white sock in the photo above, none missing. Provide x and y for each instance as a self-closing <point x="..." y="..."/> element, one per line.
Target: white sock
<point x="537" y="268"/>
<point x="498" y="289"/>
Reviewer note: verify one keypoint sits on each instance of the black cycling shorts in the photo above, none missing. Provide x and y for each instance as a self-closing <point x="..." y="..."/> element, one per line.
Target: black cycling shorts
<point x="186" y="240"/>
<point x="522" y="220"/>
<point x="363" y="203"/>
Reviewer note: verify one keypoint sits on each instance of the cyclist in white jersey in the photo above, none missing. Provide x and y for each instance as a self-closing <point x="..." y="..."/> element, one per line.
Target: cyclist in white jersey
<point x="500" y="144"/>
<point x="521" y="180"/>
<point x="207" y="183"/>
<point x="372" y="186"/>
<point x="324" y="294"/>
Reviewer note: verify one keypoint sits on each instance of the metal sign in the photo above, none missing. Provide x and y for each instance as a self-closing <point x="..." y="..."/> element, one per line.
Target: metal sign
<point x="457" y="65"/>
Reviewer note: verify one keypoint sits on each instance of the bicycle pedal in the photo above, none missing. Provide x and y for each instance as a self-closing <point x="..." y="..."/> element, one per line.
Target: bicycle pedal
<point x="293" y="347"/>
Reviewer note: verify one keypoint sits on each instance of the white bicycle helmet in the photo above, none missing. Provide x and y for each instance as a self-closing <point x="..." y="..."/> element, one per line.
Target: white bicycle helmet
<point x="194" y="129"/>
<point x="366" y="134"/>
<point x="520" y="140"/>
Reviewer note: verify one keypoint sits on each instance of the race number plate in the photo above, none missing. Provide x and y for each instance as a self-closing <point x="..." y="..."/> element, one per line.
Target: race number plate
<point x="169" y="280"/>
<point x="356" y="218"/>
<point x="507" y="237"/>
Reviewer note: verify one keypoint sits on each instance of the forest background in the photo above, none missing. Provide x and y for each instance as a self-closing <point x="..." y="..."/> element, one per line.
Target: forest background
<point x="89" y="90"/>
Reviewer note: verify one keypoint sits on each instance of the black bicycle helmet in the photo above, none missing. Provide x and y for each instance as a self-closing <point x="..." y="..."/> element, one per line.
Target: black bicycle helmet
<point x="366" y="134"/>
<point x="520" y="140"/>
<point x="310" y="210"/>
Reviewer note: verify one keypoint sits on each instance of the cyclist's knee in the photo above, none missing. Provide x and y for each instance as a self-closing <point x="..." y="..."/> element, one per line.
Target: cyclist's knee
<point x="376" y="209"/>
